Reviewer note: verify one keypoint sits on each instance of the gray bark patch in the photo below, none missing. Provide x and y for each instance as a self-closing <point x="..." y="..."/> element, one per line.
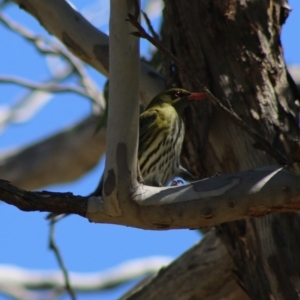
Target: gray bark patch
<point x="110" y="182"/>
<point x="122" y="158"/>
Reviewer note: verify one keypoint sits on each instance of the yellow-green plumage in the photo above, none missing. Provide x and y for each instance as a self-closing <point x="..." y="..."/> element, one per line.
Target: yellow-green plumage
<point x="161" y="136"/>
<point x="160" y="139"/>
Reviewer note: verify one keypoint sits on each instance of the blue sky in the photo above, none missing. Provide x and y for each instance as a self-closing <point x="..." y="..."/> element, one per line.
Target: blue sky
<point x="85" y="247"/>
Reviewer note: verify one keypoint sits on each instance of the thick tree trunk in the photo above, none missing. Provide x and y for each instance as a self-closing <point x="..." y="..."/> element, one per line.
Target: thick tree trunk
<point x="234" y="48"/>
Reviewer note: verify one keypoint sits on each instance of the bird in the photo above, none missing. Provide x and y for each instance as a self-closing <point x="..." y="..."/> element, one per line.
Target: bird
<point x="161" y="134"/>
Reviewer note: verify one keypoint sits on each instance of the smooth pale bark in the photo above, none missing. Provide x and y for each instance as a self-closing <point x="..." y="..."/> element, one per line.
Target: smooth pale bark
<point x="202" y="203"/>
<point x="207" y="202"/>
<point x="120" y="175"/>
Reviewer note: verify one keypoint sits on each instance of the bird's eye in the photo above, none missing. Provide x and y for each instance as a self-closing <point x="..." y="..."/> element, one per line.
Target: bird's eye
<point x="177" y="94"/>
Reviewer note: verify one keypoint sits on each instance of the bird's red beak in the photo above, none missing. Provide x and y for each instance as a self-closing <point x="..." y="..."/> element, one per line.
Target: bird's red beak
<point x="196" y="96"/>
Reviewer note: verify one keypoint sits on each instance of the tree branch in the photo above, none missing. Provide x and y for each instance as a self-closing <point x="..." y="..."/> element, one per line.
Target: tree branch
<point x="51" y="88"/>
<point x="209" y="202"/>
<point x="73" y="152"/>
<point x="55" y="249"/>
<point x="85" y="41"/>
<point x="123" y="114"/>
<point x="203" y="203"/>
<point x="42" y="201"/>
<point x="82" y="282"/>
<point x="46" y="47"/>
<point x="203" y="272"/>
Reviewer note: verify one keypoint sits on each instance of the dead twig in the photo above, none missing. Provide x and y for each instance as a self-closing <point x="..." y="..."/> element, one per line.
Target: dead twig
<point x="54" y="248"/>
<point x="46" y="87"/>
<point x="150" y="27"/>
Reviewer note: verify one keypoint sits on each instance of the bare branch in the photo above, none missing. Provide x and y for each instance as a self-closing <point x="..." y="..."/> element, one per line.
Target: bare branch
<point x="51" y="88"/>
<point x="85" y="41"/>
<point x="53" y="246"/>
<point x="45" y="46"/>
<point x="42" y="201"/>
<point x="82" y="282"/>
<point x="210" y="201"/>
<point x="148" y="22"/>
<point x="203" y="203"/>
<point x="73" y="152"/>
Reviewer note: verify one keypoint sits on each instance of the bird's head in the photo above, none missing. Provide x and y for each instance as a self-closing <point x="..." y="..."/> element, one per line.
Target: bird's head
<point x="178" y="98"/>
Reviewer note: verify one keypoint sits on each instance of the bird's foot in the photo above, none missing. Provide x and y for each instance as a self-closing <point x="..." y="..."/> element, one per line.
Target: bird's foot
<point x="176" y="182"/>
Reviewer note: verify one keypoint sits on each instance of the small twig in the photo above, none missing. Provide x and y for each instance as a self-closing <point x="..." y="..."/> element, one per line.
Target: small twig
<point x="53" y="246"/>
<point x="136" y="10"/>
<point x="48" y="87"/>
<point x="28" y="104"/>
<point x="40" y="43"/>
<point x="265" y="145"/>
<point x="150" y="27"/>
<point x="143" y="34"/>
<point x="51" y="48"/>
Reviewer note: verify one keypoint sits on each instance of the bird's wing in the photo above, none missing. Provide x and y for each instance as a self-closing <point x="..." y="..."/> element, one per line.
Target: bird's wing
<point x="147" y="119"/>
